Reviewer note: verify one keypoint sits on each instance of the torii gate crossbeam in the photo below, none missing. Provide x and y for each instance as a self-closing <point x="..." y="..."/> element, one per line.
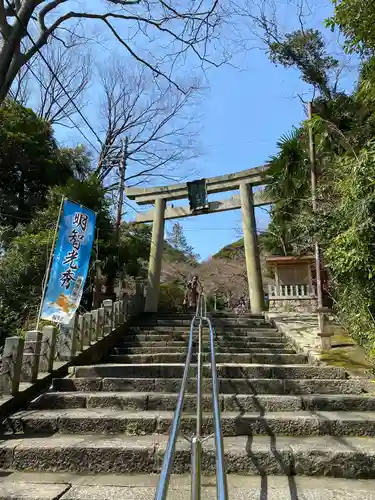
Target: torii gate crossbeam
<point x="244" y="180"/>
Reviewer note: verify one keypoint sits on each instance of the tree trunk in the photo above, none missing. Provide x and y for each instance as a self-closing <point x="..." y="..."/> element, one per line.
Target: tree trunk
<point x="10" y="55"/>
<point x="11" y="73"/>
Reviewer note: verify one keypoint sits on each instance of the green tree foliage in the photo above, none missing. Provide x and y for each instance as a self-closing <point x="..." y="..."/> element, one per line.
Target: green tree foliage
<point x="306" y="50"/>
<point x="356" y="20"/>
<point x="171" y="296"/>
<point x="231" y="251"/>
<point x="134" y="249"/>
<point x="30" y="163"/>
<point x="179" y="248"/>
<point x="23" y="265"/>
<point x="288" y="185"/>
<point x="35" y="175"/>
<point x="347" y="234"/>
<point x="343" y="126"/>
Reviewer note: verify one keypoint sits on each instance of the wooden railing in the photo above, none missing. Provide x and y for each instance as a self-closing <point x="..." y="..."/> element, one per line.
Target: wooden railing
<point x="24" y="359"/>
<point x="290" y="291"/>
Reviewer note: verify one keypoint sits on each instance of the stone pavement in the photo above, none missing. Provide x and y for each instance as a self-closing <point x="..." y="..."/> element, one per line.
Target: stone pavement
<point x="65" y="486"/>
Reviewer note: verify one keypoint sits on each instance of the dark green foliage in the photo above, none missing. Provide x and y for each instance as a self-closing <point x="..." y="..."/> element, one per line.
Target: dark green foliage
<point x="171" y="296"/>
<point x="23" y="265"/>
<point x="306" y="50"/>
<point x="288" y="184"/>
<point x="344" y="225"/>
<point x="356" y="20"/>
<point x="35" y="174"/>
<point x="30" y="163"/>
<point x="177" y="246"/>
<point x="220" y="303"/>
<point x="230" y="251"/>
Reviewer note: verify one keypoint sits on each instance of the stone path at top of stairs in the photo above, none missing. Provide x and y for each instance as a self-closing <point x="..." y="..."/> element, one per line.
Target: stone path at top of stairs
<point x="280" y="417"/>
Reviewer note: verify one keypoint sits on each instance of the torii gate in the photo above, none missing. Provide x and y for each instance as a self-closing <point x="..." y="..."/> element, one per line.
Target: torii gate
<point x="244" y="181"/>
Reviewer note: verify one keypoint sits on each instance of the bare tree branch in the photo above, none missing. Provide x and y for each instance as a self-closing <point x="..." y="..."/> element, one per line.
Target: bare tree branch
<point x="177" y="30"/>
<point x="72" y="66"/>
<point x="160" y="123"/>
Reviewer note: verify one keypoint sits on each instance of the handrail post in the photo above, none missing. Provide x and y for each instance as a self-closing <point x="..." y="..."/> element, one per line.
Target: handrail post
<point x="221" y="478"/>
<point x="196" y="454"/>
<point x="162" y="488"/>
<point x="196" y="443"/>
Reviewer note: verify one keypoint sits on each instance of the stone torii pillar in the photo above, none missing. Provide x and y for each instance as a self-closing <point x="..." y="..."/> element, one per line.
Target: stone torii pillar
<point x="156" y="255"/>
<point x="254" y="273"/>
<point x="160" y="195"/>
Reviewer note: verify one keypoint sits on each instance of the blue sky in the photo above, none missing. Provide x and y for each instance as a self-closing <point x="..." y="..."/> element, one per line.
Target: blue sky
<point x="244" y="112"/>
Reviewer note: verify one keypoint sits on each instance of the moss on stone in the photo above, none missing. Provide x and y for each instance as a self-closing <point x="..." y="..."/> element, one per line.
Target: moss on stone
<point x="352" y="358"/>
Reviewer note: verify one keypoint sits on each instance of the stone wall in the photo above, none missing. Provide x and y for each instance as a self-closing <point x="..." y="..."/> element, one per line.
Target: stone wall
<point x="293" y="305"/>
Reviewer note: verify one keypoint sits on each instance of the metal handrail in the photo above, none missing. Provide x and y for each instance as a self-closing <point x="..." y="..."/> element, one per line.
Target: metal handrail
<point x="197" y="440"/>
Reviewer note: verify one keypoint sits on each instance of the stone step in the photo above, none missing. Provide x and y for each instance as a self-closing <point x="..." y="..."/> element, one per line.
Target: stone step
<point x="232" y="314"/>
<point x="190" y="314"/>
<point x="220" y="358"/>
<point x="226" y="370"/>
<point x="184" y="335"/>
<point x="233" y="330"/>
<point x="228" y="402"/>
<point x="216" y="322"/>
<point x="66" y="486"/>
<point x="218" y="344"/>
<point x="183" y="349"/>
<point x="134" y="339"/>
<point x="346" y="457"/>
<point x="226" y="385"/>
<point x="140" y="423"/>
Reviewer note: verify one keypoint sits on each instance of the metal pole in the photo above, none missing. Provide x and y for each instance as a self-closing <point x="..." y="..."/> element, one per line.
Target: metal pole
<point x="46" y="276"/>
<point x="196" y="444"/>
<point x="221" y="478"/>
<point x="312" y="153"/>
<point x="162" y="488"/>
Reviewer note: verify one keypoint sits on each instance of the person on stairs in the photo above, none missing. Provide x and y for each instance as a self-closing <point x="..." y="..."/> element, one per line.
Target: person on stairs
<point x="193" y="290"/>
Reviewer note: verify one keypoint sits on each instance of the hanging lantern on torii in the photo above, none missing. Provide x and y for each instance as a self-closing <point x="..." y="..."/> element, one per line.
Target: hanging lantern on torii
<point x="197" y="195"/>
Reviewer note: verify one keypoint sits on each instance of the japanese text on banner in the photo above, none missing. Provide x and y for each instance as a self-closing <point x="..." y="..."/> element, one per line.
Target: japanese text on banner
<point x="70" y="263"/>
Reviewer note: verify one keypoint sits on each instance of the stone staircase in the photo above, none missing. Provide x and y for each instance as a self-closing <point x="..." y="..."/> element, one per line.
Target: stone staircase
<point x="280" y="417"/>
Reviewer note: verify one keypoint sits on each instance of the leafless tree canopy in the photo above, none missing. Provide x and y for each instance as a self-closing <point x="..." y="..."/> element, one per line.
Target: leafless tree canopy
<point x="225" y="277"/>
<point x="41" y="90"/>
<point x="170" y="30"/>
<point x="159" y="121"/>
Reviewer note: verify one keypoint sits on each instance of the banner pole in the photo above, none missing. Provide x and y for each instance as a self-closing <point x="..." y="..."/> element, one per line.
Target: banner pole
<point x="46" y="276"/>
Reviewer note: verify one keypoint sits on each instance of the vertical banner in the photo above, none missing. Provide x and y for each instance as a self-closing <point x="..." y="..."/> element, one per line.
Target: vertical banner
<point x="70" y="263"/>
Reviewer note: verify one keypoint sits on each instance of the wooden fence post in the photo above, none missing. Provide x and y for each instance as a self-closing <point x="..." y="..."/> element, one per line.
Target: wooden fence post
<point x="31" y="356"/>
<point x="11" y="366"/>
<point x="47" y="358"/>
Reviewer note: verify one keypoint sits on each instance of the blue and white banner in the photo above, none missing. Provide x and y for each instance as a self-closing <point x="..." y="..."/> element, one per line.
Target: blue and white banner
<point x="70" y="263"/>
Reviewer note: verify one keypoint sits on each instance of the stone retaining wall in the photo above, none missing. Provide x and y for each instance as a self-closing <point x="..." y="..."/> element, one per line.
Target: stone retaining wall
<point x="285" y="305"/>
